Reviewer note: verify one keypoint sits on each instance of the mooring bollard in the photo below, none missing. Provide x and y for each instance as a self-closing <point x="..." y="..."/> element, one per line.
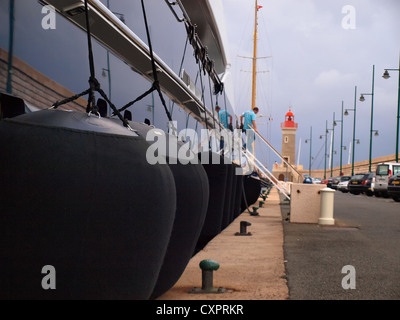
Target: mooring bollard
<point x="261" y="202"/>
<point x="327" y="205"/>
<point x="254" y="213"/>
<point x="243" y="229"/>
<point x="207" y="269"/>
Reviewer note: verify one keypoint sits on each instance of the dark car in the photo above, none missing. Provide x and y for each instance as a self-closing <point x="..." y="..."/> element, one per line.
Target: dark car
<point x="337" y="180"/>
<point x="307" y="180"/>
<point x="394" y="187"/>
<point x="329" y="182"/>
<point x="357" y="183"/>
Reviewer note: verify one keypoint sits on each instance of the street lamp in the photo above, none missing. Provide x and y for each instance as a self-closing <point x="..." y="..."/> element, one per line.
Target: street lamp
<point x="387" y="76"/>
<point x="341" y="140"/>
<point x="333" y="138"/>
<point x="372" y="115"/>
<point x="346" y="113"/>
<point x="310" y="140"/>
<point x="325" y="135"/>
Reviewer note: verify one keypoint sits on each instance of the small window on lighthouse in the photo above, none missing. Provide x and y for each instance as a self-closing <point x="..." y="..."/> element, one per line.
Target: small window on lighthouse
<point x="286" y="139"/>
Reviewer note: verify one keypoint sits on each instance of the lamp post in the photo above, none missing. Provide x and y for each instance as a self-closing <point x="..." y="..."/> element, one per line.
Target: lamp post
<point x="325" y="135"/>
<point x="362" y="99"/>
<point x="333" y="138"/>
<point x="356" y="141"/>
<point x="309" y="163"/>
<point x="387" y="76"/>
<point x="346" y="113"/>
<point x="341" y="140"/>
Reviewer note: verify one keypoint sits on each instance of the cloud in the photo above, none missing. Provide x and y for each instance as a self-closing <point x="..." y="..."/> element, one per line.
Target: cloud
<point x="334" y="78"/>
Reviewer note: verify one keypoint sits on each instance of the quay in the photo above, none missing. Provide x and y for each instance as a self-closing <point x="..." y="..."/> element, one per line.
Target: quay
<point x="251" y="267"/>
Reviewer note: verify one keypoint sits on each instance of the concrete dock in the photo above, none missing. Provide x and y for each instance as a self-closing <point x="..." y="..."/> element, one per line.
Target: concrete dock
<point x="251" y="267"/>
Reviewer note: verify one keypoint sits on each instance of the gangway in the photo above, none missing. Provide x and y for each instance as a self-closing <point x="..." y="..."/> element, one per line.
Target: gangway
<point x="300" y="175"/>
<point x="282" y="188"/>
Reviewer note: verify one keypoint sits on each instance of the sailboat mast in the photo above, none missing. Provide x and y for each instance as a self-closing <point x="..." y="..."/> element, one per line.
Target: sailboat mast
<point x="253" y="96"/>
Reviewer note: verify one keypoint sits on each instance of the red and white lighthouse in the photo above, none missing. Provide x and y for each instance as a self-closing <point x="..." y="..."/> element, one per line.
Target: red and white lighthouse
<point x="289" y="128"/>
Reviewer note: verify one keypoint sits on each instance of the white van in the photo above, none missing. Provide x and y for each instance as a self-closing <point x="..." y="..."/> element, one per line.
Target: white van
<point x="384" y="171"/>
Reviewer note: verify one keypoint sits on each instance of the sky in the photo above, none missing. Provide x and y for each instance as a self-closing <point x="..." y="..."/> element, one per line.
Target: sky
<point x="319" y="51"/>
<point x="309" y="61"/>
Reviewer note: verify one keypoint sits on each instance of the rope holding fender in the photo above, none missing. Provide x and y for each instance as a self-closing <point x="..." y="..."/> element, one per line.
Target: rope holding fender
<point x="155" y="85"/>
<point x="94" y="85"/>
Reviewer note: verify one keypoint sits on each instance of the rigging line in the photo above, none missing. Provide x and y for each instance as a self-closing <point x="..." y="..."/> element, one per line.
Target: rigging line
<point x="156" y="84"/>
<point x="226" y="111"/>
<point x="212" y="102"/>
<point x="229" y="141"/>
<point x="320" y="163"/>
<point x="316" y="156"/>
<point x="153" y="87"/>
<point x="153" y="64"/>
<point x="202" y="99"/>
<point x="93" y="83"/>
<point x="89" y="40"/>
<point x="213" y="111"/>
<point x="187" y="121"/>
<point x="181" y="66"/>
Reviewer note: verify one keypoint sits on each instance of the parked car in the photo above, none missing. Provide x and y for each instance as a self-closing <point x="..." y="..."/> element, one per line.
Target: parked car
<point x="343" y="186"/>
<point x="329" y="181"/>
<point x="307" y="180"/>
<point x="337" y="180"/>
<point x="357" y="183"/>
<point x="394" y="187"/>
<point x="384" y="171"/>
<point x="324" y="181"/>
<point x="369" y="185"/>
<point x="316" y="180"/>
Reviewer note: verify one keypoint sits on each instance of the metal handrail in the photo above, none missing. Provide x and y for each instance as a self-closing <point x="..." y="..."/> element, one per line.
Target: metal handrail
<point x="179" y="3"/>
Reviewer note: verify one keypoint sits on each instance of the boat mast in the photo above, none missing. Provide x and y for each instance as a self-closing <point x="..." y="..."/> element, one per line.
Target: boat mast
<point x="253" y="96"/>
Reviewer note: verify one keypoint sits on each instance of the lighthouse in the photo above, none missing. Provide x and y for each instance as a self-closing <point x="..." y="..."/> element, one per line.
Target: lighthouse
<point x="282" y="171"/>
<point x="289" y="128"/>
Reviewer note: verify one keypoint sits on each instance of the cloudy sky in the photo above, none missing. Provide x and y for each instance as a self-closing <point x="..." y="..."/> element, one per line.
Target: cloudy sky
<point x="316" y="63"/>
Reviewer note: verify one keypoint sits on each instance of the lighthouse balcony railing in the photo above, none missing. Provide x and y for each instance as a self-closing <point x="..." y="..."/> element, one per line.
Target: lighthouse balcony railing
<point x="289" y="124"/>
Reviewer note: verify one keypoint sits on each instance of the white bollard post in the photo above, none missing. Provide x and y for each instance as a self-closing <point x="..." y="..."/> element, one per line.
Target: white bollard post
<point x="327" y="204"/>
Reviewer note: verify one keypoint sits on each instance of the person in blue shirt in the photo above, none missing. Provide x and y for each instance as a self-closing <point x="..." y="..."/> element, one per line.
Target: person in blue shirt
<point x="248" y="125"/>
<point x="249" y="118"/>
<point x="223" y="116"/>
